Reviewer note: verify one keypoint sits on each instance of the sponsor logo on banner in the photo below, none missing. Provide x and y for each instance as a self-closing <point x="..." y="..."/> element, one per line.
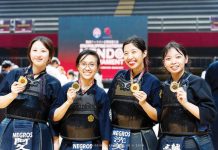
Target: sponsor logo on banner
<point x="23" y="26"/>
<point x="107" y="33"/>
<point x="96" y="32"/>
<point x="5" y="26"/>
<point x="214" y="23"/>
<point x="103" y="34"/>
<point x="109" y="51"/>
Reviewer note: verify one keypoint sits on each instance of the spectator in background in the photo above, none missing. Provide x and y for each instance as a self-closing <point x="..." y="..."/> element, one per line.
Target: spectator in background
<point x="71" y="75"/>
<point x="212" y="79"/>
<point x="55" y="62"/>
<point x="98" y="78"/>
<point x="53" y="70"/>
<point x="14" y="66"/>
<point x="62" y="70"/>
<point x="203" y="73"/>
<point x="6" y="68"/>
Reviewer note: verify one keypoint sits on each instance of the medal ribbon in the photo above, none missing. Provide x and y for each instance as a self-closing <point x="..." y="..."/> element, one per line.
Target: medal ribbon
<point x="139" y="78"/>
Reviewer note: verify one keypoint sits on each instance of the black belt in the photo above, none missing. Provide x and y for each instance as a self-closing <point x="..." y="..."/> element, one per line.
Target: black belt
<point x="26" y="118"/>
<point x="132" y="128"/>
<point x="199" y="133"/>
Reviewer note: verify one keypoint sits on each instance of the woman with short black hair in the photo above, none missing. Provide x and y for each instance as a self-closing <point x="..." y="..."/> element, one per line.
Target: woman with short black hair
<point x="27" y="94"/>
<point x="82" y="108"/>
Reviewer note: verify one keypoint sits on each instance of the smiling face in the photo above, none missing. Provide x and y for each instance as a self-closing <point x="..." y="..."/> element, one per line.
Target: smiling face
<point x="134" y="57"/>
<point x="174" y="61"/>
<point x="87" y="67"/>
<point x="39" y="55"/>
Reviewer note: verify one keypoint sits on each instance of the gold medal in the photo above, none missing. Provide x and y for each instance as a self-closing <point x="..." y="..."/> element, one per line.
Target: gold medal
<point x="134" y="87"/>
<point x="22" y="80"/>
<point x="76" y="86"/>
<point x="91" y="118"/>
<point x="174" y="86"/>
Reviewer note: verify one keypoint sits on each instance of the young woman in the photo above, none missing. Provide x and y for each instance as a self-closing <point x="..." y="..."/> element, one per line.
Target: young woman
<point x="212" y="80"/>
<point x="187" y="105"/>
<point x="28" y="101"/>
<point x="82" y="108"/>
<point x="135" y="101"/>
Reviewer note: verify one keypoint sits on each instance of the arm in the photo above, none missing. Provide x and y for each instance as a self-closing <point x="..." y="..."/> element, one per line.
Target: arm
<point x="61" y="111"/>
<point x="8" y="98"/>
<point x="206" y="104"/>
<point x="9" y="88"/>
<point x="201" y="104"/>
<point x="142" y="97"/>
<point x="105" y="144"/>
<point x="56" y="142"/>
<point x="182" y="98"/>
<point x="211" y="76"/>
<point x="149" y="97"/>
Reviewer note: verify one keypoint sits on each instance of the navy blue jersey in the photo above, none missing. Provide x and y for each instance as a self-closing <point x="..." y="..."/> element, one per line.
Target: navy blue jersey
<point x="199" y="94"/>
<point x="149" y="84"/>
<point x="127" y="115"/>
<point x="52" y="84"/>
<point x="211" y="76"/>
<point x="212" y="79"/>
<point x="41" y="132"/>
<point x="102" y="102"/>
<point x="179" y="125"/>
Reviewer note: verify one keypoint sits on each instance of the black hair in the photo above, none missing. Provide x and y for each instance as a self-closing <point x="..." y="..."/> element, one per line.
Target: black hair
<point x="178" y="47"/>
<point x="46" y="42"/>
<point x="84" y="54"/>
<point x="6" y="64"/>
<point x="140" y="44"/>
<point x="71" y="72"/>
